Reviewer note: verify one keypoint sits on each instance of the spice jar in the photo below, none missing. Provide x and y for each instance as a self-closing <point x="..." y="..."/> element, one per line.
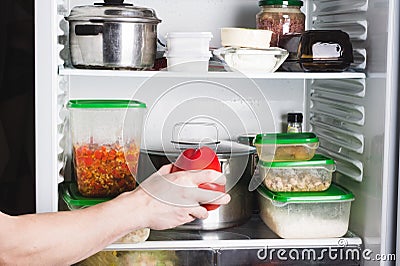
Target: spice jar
<point x="280" y="17"/>
<point x="295" y="121"/>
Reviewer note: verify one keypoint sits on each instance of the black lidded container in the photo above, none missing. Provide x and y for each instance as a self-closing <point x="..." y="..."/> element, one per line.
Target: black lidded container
<point x="317" y="51"/>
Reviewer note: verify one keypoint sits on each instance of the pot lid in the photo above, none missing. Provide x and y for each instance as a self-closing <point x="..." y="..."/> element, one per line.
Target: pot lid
<point x="225" y="149"/>
<point x="114" y="10"/>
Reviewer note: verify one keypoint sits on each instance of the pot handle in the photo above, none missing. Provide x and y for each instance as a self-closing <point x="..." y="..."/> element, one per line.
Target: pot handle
<point x="88" y="30"/>
<point x="113" y="3"/>
<point x="118" y="2"/>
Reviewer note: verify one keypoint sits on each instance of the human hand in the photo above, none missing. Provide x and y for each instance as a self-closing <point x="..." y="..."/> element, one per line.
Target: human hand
<point x="172" y="199"/>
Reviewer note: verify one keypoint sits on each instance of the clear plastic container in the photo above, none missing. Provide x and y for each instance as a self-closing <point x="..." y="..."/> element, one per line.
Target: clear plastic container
<point x="280" y="17"/>
<point x="286" y="146"/>
<point x="74" y="201"/>
<point x="106" y="136"/>
<point x="306" y="214"/>
<point x="252" y="60"/>
<point x="312" y="175"/>
<point x="188" y="43"/>
<point x="188" y="63"/>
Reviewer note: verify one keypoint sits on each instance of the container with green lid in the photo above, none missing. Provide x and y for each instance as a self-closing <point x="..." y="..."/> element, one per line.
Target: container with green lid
<point x="306" y="214"/>
<point x="106" y="136"/>
<point x="286" y="146"/>
<point x="75" y="201"/>
<point x="295" y="176"/>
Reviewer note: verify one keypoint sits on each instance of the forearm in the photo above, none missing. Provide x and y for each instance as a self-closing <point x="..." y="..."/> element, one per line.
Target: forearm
<point x="64" y="237"/>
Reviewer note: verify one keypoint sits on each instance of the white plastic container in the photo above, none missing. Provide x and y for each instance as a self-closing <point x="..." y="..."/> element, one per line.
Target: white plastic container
<point x="195" y="44"/>
<point x="188" y="63"/>
<point x="188" y="51"/>
<point x="306" y="214"/>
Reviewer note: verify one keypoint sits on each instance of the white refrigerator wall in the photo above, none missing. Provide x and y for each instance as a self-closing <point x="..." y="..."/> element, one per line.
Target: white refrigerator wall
<point x="356" y="119"/>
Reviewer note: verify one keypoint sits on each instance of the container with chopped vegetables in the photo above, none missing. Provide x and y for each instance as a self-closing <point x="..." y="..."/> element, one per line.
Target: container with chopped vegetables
<point x="106" y="137"/>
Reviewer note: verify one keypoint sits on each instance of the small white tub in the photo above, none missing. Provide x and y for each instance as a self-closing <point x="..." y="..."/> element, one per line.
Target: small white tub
<point x="188" y="43"/>
<point x="188" y="63"/>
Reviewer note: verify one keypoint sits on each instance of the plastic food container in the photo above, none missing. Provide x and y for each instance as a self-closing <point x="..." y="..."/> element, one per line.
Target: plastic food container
<point x="75" y="201"/>
<point x="286" y="146"/>
<point x="306" y="214"/>
<point x="280" y="17"/>
<point x="312" y="175"/>
<point x="252" y="60"/>
<point x="317" y="51"/>
<point x="247" y="38"/>
<point x="106" y="136"/>
<point x="188" y="51"/>
<point x="188" y="43"/>
<point x="188" y="63"/>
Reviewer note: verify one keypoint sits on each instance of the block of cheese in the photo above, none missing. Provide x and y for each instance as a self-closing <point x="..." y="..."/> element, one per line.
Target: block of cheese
<point x="246" y="38"/>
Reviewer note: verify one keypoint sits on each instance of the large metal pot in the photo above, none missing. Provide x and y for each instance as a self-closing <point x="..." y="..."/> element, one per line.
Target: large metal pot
<point x="113" y="35"/>
<point x="237" y="163"/>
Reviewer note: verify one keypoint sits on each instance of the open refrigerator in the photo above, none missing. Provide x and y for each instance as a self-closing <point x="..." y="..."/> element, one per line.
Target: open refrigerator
<point x="354" y="114"/>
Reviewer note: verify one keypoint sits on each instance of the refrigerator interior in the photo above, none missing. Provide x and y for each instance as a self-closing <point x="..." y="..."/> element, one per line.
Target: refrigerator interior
<point x="354" y="113"/>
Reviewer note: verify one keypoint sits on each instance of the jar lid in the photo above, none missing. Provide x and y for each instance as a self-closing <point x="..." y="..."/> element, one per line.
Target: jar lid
<point x="335" y="193"/>
<point x="295" y="117"/>
<point x="113" y="11"/>
<point x="94" y="104"/>
<point x="286" y="138"/>
<point x="280" y="2"/>
<point x="317" y="160"/>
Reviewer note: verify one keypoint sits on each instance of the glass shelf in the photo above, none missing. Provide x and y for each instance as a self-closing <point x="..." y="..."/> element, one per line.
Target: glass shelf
<point x="253" y="234"/>
<point x="166" y="74"/>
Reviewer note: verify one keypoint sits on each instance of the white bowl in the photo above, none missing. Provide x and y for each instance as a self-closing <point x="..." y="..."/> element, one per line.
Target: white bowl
<point x="252" y="60"/>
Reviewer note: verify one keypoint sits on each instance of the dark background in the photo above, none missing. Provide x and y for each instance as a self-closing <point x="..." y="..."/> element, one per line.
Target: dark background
<point x="17" y="133"/>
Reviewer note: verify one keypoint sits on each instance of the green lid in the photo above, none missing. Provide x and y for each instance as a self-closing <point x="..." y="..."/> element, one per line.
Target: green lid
<point x="105" y="104"/>
<point x="280" y="2"/>
<point x="317" y="160"/>
<point x="71" y="196"/>
<point x="286" y="138"/>
<point x="333" y="194"/>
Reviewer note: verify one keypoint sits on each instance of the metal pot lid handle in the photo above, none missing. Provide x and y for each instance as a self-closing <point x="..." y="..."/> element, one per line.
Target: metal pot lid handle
<point x="113" y="3"/>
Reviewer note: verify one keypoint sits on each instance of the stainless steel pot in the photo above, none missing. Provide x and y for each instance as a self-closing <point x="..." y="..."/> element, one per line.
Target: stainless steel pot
<point x="237" y="163"/>
<point x="113" y="35"/>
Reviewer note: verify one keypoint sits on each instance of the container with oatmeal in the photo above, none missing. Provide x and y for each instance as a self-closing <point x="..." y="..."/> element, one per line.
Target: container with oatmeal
<point x="311" y="175"/>
<point x="280" y="17"/>
<point x="286" y="146"/>
<point x="106" y="137"/>
<point x="306" y="214"/>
